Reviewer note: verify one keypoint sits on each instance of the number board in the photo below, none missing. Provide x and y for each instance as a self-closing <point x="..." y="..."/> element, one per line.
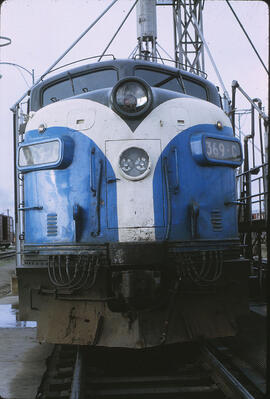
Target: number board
<point x="222" y="150"/>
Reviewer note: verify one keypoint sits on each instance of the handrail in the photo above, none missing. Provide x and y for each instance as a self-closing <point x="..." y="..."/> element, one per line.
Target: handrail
<point x="81" y="60"/>
<point x="250" y="170"/>
<point x="178" y="65"/>
<point x="235" y="85"/>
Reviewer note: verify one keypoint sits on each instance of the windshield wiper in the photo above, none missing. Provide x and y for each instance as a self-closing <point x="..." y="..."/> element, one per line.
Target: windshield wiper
<point x="162" y="82"/>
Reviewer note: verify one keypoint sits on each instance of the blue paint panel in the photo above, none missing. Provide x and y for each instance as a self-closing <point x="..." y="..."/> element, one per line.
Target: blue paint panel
<point x="193" y="186"/>
<point x="69" y="212"/>
<point x="158" y="192"/>
<point x="68" y="196"/>
<point x="112" y="218"/>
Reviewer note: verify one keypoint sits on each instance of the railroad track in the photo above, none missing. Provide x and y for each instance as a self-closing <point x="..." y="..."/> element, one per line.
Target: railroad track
<point x="87" y="373"/>
<point x="7" y="254"/>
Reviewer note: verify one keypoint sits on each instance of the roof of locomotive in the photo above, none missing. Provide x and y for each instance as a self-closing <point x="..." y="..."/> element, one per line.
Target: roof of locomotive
<point x="125" y="68"/>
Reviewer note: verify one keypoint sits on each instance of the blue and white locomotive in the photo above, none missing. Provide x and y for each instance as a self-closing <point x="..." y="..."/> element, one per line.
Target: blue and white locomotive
<point x="130" y="214"/>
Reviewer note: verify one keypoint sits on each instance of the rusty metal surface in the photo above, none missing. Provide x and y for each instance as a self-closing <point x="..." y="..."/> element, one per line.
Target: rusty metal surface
<point x="78" y="323"/>
<point x="87" y="324"/>
<point x="186" y="316"/>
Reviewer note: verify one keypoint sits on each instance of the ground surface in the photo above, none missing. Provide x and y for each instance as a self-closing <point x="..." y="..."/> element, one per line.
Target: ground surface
<point x="22" y="359"/>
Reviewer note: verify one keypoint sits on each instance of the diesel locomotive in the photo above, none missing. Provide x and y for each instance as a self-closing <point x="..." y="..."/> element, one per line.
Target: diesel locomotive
<point x="130" y="210"/>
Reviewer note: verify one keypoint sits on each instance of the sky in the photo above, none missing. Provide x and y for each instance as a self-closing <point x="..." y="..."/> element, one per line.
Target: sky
<point x="41" y="30"/>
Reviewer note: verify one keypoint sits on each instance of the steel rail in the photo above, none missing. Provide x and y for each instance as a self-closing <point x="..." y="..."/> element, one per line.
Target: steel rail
<point x="7" y="254"/>
<point x="69" y="376"/>
<point x="222" y="376"/>
<point x="77" y="388"/>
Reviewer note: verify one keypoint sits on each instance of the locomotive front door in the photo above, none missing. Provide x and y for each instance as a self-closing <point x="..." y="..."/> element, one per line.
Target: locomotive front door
<point x="136" y="174"/>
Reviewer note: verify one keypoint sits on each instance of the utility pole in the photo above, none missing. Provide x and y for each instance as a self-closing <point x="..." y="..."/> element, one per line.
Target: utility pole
<point x="147" y="29"/>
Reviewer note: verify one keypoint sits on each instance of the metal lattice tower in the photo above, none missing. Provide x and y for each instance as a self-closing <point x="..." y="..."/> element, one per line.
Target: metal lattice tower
<point x="189" y="48"/>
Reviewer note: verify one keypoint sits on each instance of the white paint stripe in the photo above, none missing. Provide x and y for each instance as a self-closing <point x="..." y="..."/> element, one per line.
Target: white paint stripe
<point x="135" y="206"/>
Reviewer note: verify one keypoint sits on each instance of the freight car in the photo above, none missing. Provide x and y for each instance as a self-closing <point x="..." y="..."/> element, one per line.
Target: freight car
<point x="6" y="231"/>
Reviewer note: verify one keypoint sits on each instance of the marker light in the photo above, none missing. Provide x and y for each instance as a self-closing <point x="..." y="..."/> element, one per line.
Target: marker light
<point x="131" y="97"/>
<point x="134" y="163"/>
<point x="219" y="125"/>
<point x="42" y="128"/>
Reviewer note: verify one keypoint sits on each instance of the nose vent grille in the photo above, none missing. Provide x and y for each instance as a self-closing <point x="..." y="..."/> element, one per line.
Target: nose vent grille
<point x="52" y="224"/>
<point x="216" y="220"/>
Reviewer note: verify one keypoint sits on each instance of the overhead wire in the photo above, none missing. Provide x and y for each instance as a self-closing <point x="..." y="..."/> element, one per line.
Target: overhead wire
<point x="18" y="69"/>
<point x="165" y="52"/>
<point x="118" y="30"/>
<point x="13" y="108"/>
<point x="133" y="52"/>
<point x="246" y="34"/>
<point x="160" y="56"/>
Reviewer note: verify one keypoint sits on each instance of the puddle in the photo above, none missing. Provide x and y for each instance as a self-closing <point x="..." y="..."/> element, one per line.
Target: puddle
<point x="9" y="315"/>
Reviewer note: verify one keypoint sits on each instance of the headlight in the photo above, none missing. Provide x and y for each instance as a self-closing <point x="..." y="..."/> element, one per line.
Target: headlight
<point x="134" y="163"/>
<point x="131" y="97"/>
<point x="40" y="153"/>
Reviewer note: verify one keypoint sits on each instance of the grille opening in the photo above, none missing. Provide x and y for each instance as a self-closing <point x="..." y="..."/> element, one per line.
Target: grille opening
<point x="216" y="220"/>
<point x="52" y="224"/>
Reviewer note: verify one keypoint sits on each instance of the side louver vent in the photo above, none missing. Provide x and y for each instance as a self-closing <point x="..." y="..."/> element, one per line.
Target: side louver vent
<point x="216" y="220"/>
<point x="52" y="224"/>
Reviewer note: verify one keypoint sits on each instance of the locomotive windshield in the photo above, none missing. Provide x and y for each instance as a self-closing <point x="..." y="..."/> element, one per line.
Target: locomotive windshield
<point x="87" y="78"/>
<point x="160" y="79"/>
<point x="195" y="89"/>
<point x="171" y="82"/>
<point x="76" y="85"/>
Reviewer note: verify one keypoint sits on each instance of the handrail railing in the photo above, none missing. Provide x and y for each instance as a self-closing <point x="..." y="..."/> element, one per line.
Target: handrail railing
<point x="252" y="182"/>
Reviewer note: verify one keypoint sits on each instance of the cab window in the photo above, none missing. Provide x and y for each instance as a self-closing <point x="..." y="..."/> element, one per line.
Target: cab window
<point x="159" y="79"/>
<point x="194" y="89"/>
<point x="75" y="85"/>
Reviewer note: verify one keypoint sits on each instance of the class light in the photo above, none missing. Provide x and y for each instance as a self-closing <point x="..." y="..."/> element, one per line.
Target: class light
<point x="131" y="97"/>
<point x="134" y="163"/>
